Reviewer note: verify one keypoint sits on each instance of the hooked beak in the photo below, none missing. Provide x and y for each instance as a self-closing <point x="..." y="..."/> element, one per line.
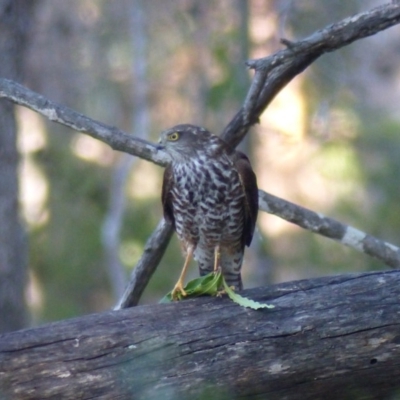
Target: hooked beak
<point x="160" y="146"/>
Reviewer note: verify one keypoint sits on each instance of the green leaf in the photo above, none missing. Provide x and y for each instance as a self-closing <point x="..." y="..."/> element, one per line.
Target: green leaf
<point x="211" y="285"/>
<point x="205" y="285"/>
<point x="208" y="284"/>
<point x="244" y="301"/>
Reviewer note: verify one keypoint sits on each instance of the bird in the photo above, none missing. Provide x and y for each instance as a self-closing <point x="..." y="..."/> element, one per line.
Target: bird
<point x="210" y="196"/>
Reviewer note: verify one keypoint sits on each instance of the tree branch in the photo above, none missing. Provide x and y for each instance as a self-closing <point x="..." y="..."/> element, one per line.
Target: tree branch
<point x="327" y="338"/>
<point x="333" y="37"/>
<point x="314" y="222"/>
<point x="274" y="72"/>
<point x="115" y="138"/>
<point x="145" y="268"/>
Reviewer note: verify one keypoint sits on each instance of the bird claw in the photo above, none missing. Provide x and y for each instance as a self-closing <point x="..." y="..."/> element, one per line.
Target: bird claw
<point x="178" y="291"/>
<point x="221" y="292"/>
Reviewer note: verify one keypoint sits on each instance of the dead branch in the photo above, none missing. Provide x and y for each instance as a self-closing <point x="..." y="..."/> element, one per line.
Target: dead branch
<point x="327" y="338"/>
<point x="274" y="72"/>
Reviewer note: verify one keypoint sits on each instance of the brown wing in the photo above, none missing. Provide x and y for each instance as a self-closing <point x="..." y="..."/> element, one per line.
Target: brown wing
<point x="249" y="184"/>
<point x="166" y="195"/>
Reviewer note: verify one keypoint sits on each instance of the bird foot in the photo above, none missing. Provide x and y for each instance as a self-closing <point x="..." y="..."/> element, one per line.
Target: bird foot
<point x="221" y="292"/>
<point x="178" y="290"/>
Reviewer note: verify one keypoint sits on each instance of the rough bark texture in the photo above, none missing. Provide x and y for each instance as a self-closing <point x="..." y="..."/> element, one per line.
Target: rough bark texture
<point x="14" y="22"/>
<point x="327" y="338"/>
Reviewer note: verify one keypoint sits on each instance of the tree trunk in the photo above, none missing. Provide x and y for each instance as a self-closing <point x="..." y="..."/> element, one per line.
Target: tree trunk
<point x="327" y="338"/>
<point x="14" y="21"/>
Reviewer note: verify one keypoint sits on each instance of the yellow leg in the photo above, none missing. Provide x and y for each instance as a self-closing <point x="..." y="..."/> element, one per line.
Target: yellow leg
<point x="179" y="285"/>
<point x="217" y="255"/>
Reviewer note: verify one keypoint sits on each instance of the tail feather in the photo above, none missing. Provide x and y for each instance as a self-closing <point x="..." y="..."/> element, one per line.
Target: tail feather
<point x="231" y="265"/>
<point x="205" y="260"/>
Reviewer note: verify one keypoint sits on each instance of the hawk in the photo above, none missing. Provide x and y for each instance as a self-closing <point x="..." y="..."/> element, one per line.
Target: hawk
<point x="210" y="196"/>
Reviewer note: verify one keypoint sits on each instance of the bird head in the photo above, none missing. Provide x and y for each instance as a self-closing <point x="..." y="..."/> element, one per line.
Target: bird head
<point x="182" y="142"/>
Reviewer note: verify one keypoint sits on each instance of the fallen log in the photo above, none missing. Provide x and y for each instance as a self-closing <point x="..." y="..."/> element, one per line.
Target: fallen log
<point x="334" y="337"/>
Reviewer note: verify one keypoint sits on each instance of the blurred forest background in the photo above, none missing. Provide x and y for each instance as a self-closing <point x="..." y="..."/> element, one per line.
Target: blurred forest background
<point x="330" y="141"/>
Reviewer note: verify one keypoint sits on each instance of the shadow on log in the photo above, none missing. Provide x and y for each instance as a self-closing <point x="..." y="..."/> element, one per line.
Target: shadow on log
<point x="327" y="338"/>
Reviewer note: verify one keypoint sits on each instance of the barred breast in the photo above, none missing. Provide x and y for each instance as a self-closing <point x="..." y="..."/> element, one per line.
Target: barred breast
<point x="208" y="209"/>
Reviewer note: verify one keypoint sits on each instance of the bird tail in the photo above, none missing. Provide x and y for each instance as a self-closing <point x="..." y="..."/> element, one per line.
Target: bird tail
<point x="205" y="260"/>
<point x="231" y="265"/>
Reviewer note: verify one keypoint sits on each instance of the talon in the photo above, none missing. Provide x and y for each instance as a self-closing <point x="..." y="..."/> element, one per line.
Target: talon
<point x="220" y="293"/>
<point x="178" y="289"/>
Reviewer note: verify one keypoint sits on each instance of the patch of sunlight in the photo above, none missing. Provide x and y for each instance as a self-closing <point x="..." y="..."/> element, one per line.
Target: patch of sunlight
<point x="130" y="252"/>
<point x="92" y="150"/>
<point x="286" y="114"/>
<point x="33" y="193"/>
<point x="280" y="150"/>
<point x="34" y="293"/>
<point x="33" y="184"/>
<point x="262" y="26"/>
<point x="31" y="131"/>
<point x="145" y="181"/>
<point x="273" y="226"/>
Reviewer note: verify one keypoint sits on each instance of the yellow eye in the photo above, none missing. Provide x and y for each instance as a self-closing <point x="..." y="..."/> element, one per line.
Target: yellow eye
<point x="174" y="136"/>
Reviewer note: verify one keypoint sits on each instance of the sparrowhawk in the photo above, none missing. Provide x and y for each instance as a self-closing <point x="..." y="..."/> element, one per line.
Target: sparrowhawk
<point x="210" y="196"/>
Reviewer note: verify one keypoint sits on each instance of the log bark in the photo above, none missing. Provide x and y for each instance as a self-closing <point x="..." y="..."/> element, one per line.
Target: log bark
<point x="332" y="338"/>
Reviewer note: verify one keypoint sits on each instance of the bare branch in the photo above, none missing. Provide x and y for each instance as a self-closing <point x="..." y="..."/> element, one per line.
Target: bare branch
<point x="280" y="68"/>
<point x="253" y="94"/>
<point x="334" y="36"/>
<point x="141" y="274"/>
<point x="330" y="228"/>
<point x="115" y="138"/>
